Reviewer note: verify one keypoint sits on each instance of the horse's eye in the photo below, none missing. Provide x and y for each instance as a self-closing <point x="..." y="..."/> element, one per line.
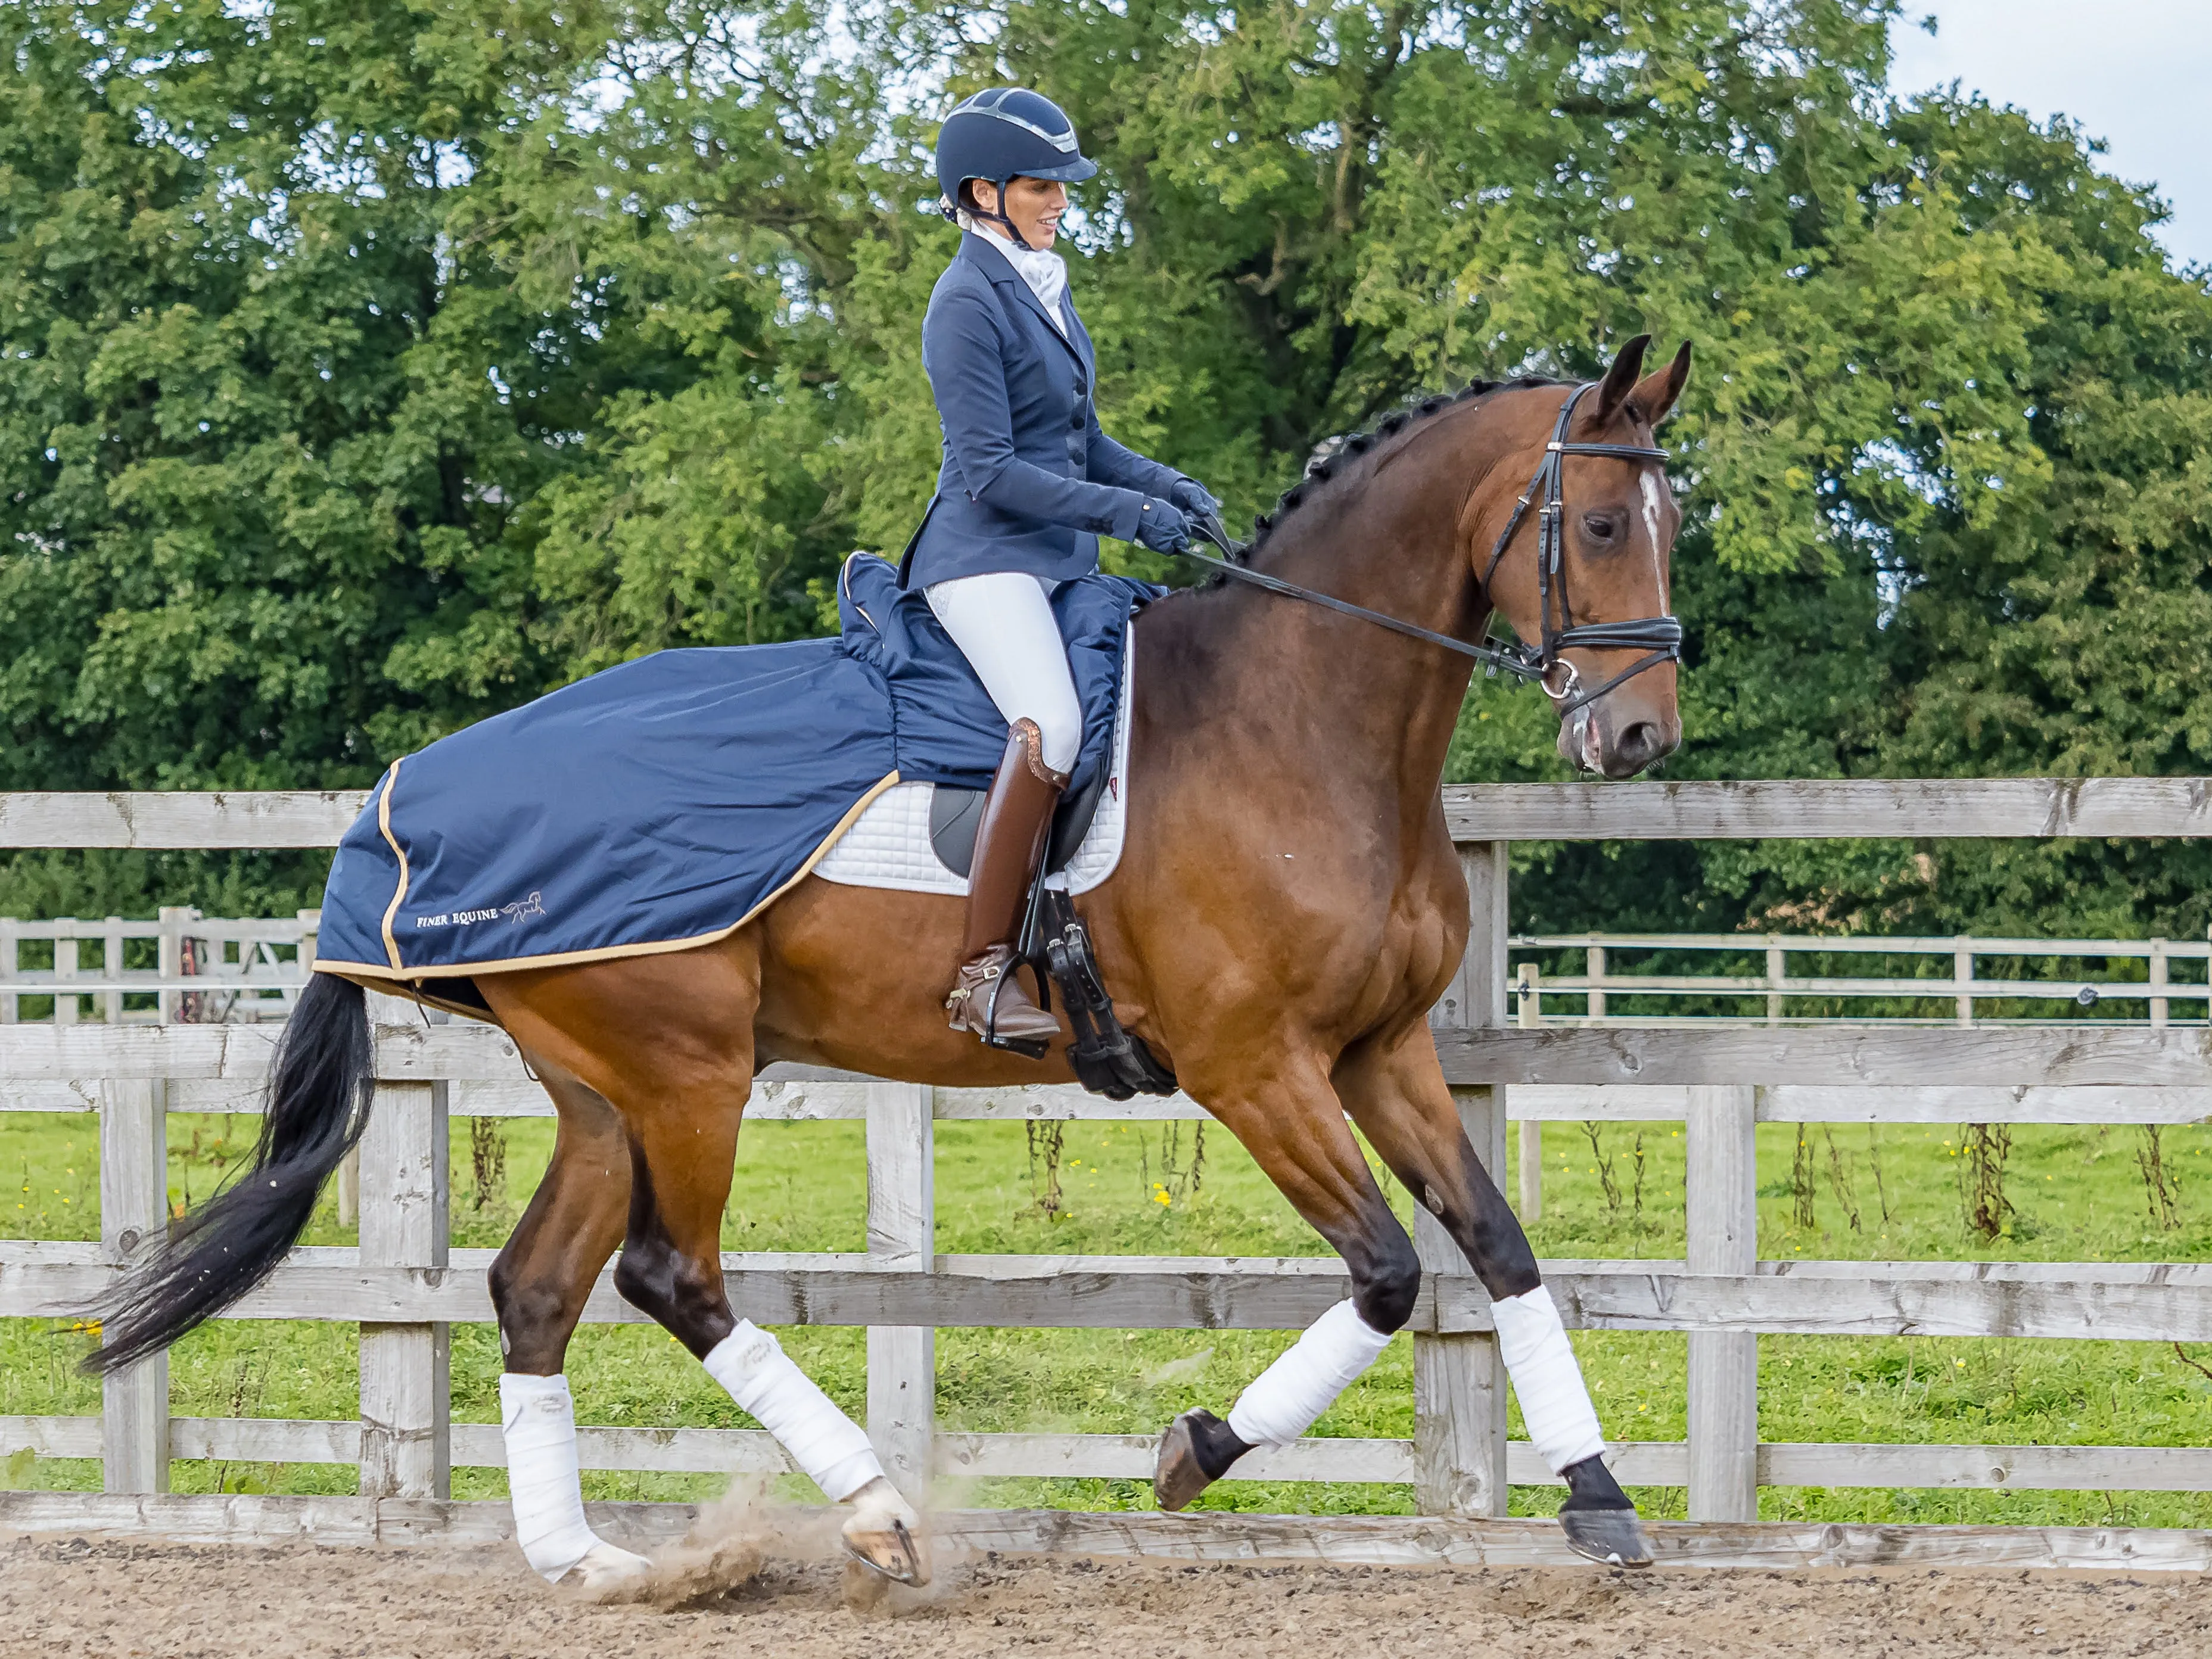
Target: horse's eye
<point x="1600" y="526"/>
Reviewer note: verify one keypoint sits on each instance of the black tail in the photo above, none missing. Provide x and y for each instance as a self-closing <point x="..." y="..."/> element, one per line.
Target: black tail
<point x="316" y="1108"/>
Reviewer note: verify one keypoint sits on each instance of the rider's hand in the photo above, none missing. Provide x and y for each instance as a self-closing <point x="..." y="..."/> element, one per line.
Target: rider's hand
<point x="1193" y="498"/>
<point x="1162" y="526"/>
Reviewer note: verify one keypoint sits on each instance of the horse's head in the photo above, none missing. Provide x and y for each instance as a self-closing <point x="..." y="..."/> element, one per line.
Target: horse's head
<point x="1618" y="528"/>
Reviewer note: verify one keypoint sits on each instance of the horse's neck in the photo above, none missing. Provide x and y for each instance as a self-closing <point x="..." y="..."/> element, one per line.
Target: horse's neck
<point x="1362" y="710"/>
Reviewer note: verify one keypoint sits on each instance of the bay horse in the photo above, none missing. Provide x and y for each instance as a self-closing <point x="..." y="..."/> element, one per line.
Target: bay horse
<point x="1289" y="909"/>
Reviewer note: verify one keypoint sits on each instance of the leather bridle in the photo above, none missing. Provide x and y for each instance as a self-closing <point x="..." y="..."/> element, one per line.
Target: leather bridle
<point x="1659" y="637"/>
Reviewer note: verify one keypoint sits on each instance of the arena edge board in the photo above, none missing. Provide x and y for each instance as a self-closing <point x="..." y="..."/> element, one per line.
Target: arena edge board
<point x="1224" y="1537"/>
<point x="960" y="1456"/>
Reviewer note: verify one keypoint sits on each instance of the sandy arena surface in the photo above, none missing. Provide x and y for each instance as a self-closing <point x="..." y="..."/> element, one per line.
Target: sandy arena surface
<point x="97" y="1598"/>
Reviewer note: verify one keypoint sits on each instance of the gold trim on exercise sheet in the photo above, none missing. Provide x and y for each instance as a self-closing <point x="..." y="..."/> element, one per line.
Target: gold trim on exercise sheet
<point x="398" y="893"/>
<point x="608" y="953"/>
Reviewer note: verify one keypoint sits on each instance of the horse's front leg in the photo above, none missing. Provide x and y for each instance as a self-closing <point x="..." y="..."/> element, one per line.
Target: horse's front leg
<point x="1291" y="1123"/>
<point x="1396" y="1091"/>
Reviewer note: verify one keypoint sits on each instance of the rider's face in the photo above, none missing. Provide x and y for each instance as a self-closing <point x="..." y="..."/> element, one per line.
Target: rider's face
<point x="1034" y="205"/>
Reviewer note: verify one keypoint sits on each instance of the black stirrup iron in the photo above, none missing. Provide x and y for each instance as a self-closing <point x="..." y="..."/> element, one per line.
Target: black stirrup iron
<point x="1659" y="637"/>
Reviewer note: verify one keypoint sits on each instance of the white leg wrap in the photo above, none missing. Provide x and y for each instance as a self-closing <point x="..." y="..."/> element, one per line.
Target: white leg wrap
<point x="1547" y="1381"/>
<point x="1284" y="1400"/>
<point x="828" y="1445"/>
<point x="539" y="1420"/>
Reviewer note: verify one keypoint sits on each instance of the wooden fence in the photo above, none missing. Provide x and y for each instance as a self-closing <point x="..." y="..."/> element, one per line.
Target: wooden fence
<point x="2161" y="998"/>
<point x="202" y="971"/>
<point x="405" y="1287"/>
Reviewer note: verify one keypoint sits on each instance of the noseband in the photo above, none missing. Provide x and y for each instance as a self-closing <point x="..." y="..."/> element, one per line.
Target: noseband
<point x="1661" y="637"/>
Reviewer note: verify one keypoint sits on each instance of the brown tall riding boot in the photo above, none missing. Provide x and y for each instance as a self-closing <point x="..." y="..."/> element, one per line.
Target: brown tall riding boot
<point x="988" y="998"/>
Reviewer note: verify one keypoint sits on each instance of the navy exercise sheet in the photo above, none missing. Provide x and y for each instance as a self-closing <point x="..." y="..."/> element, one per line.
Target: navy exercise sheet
<point x="663" y="802"/>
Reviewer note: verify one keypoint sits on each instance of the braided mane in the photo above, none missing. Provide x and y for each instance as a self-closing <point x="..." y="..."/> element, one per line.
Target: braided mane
<point x="1332" y="455"/>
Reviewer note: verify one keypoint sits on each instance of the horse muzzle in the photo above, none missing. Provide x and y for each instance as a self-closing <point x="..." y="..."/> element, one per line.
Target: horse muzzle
<point x="1619" y="744"/>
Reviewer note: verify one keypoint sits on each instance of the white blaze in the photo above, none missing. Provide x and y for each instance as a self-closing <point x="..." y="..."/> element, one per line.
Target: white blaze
<point x="1650" y="485"/>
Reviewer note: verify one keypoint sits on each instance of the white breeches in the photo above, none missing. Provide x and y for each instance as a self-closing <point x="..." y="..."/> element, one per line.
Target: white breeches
<point x="1003" y="623"/>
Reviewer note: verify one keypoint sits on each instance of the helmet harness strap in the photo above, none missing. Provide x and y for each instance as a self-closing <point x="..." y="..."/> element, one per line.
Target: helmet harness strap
<point x="953" y="210"/>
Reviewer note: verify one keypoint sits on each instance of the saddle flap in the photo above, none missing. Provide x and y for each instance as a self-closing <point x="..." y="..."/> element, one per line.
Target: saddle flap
<point x="954" y="814"/>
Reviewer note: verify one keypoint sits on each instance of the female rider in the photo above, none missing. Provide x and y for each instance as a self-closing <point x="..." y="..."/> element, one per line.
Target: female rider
<point x="1028" y="484"/>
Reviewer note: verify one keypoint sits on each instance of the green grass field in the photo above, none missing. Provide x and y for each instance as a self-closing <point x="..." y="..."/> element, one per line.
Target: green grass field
<point x="2078" y="1194"/>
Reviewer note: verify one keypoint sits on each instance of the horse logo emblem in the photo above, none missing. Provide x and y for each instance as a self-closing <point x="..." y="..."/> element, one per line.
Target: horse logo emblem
<point x="521" y="907"/>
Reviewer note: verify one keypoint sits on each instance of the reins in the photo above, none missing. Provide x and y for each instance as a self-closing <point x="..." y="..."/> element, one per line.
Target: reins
<point x="1660" y="637"/>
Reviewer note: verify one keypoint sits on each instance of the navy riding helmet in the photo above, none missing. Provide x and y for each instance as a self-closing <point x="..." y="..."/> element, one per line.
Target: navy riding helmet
<point x="1007" y="132"/>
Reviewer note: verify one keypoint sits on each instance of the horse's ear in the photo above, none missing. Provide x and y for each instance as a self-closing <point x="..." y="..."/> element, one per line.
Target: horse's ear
<point x="1620" y="378"/>
<point x="1656" y="393"/>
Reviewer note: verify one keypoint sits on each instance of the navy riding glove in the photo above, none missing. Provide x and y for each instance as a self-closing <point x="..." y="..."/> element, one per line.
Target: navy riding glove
<point x="1194" y="499"/>
<point x="1162" y="527"/>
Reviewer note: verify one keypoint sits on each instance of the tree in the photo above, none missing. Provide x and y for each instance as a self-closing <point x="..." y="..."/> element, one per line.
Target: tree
<point x="367" y="368"/>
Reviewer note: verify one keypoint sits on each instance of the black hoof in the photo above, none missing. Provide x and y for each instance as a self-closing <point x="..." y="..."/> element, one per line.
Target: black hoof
<point x="1196" y="1452"/>
<point x="1612" y="1538"/>
<point x="1176" y="1478"/>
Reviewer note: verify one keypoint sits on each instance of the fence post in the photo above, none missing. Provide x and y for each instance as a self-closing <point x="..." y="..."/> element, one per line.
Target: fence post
<point x="406" y="1441"/>
<point x="1593" y="970"/>
<point x="65" y="971"/>
<point x="172" y="919"/>
<point x="112" y="970"/>
<point x="1962" y="973"/>
<point x="1525" y="1016"/>
<point x="1722" y="1193"/>
<point x="134" y="1213"/>
<point x="1459" y="1383"/>
<point x="1531" y="1170"/>
<point x="7" y="945"/>
<point x="902" y="1235"/>
<point x="1777" y="969"/>
<point x="2160" y="1007"/>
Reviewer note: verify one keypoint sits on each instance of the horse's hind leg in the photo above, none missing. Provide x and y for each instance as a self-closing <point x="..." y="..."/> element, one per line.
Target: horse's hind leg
<point x="1293" y="1126"/>
<point x="540" y="1284"/>
<point x="1396" y="1091"/>
<point x="669" y="1041"/>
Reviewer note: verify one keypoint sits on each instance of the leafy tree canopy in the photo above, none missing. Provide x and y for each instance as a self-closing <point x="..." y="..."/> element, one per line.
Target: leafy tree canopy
<point x="367" y="367"/>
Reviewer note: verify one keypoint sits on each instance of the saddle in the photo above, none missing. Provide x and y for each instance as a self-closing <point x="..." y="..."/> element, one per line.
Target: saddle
<point x="954" y="814"/>
<point x="1055" y="945"/>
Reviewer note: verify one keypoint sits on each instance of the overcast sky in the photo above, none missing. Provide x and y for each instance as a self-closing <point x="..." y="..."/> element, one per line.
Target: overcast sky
<point x="2136" y="73"/>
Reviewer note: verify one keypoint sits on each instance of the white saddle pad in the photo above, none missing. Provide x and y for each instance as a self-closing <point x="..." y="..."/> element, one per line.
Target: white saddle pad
<point x="890" y="846"/>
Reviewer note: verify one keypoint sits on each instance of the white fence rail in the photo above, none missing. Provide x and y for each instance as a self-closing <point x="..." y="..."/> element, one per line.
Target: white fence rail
<point x="204" y="970"/>
<point x="2158" y="992"/>
<point x="405" y="1287"/>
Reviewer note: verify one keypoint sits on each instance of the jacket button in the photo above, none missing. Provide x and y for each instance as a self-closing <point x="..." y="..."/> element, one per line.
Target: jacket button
<point x="1076" y="420"/>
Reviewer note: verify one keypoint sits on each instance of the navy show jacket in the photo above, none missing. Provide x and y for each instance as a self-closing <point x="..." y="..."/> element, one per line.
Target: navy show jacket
<point x="1030" y="481"/>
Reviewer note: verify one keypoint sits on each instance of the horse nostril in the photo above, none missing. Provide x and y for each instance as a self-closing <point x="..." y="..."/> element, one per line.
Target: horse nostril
<point x="1638" y="744"/>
